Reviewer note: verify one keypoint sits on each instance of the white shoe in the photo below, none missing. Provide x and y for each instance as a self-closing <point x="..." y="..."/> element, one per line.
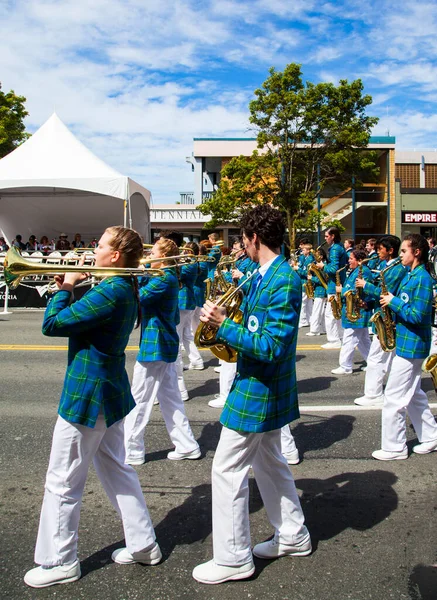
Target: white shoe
<point x="311" y="334"/>
<point x="173" y="455"/>
<point x="304" y="325"/>
<point x="148" y="557"/>
<point x="331" y="345"/>
<point x="363" y="368"/>
<point x="292" y="458"/>
<point x="184" y="396"/>
<point x="274" y="549"/>
<point x="135" y="461"/>
<point x="217" y="369"/>
<point x="40" y="577"/>
<point x="341" y="371"/>
<point x="217" y="402"/>
<point x="386" y="455"/>
<point x="196" y="366"/>
<point x="155" y="402"/>
<point x="212" y="573"/>
<point x="366" y="401"/>
<point x="425" y="447"/>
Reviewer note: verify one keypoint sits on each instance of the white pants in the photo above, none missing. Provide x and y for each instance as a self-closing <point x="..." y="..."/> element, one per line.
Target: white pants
<point x="73" y="448"/>
<point x="334" y="329"/>
<point x="227" y="376"/>
<point x="195" y="319"/>
<point x="317" y="321"/>
<point x="157" y="380"/>
<point x="235" y="453"/>
<point x="403" y="394"/>
<point x="305" y="311"/>
<point x="287" y="440"/>
<point x="351" y="339"/>
<point x="378" y="364"/>
<point x="186" y="339"/>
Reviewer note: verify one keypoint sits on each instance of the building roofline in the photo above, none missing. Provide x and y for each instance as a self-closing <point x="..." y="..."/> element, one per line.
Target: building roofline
<point x="374" y="139"/>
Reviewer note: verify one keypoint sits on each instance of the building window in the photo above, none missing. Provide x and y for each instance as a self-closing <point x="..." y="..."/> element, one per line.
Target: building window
<point x="409" y="175"/>
<point x="431" y="176"/>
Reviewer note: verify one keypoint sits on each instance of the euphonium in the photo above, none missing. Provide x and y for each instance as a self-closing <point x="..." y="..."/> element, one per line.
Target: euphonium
<point x="336" y="299"/>
<point x="383" y="318"/>
<point x="430" y="366"/>
<point x="205" y="336"/>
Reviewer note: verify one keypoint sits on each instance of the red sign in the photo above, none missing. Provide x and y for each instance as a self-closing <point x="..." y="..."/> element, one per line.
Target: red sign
<point x="419" y="217"/>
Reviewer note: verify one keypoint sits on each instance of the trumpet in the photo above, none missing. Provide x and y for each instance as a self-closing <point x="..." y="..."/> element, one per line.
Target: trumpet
<point x="16" y="267"/>
<point x="178" y="260"/>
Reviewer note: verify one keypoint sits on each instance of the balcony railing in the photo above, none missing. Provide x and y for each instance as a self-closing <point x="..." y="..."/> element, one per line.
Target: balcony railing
<point x="188" y="197"/>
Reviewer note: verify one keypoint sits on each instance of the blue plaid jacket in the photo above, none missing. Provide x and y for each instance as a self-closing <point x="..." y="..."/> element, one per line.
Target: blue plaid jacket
<point x="393" y="279"/>
<point x="374" y="261"/>
<point x="366" y="313"/>
<point x="216" y="253"/>
<point x="413" y="307"/>
<point x="263" y="396"/>
<point x="319" y="290"/>
<point x="303" y="265"/>
<point x="159" y="317"/>
<point x="98" y="327"/>
<point x="337" y="258"/>
<point x="246" y="264"/>
<point x="188" y="275"/>
<point x="199" y="283"/>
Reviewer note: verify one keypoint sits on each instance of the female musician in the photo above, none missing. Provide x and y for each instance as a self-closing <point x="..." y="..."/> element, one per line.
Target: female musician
<point x="155" y="376"/>
<point x="356" y="333"/>
<point x="305" y="259"/>
<point x="199" y="283"/>
<point x="412" y="307"/>
<point x="95" y="399"/>
<point x="317" y="320"/>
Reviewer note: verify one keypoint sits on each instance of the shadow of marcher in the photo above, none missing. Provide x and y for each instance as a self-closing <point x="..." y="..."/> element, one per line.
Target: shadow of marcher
<point x="210" y="435"/>
<point x="314" y="384"/>
<point x="323" y="433"/>
<point x="347" y="501"/>
<point x="422" y="583"/>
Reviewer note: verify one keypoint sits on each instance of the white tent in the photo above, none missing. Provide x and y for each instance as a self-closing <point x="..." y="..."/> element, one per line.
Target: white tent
<point x="52" y="183"/>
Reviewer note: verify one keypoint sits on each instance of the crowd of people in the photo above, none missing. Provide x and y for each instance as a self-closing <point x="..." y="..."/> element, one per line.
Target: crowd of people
<point x="46" y="246"/>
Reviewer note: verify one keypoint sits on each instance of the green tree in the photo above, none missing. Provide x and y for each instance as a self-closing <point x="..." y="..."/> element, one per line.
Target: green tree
<point x="309" y="136"/>
<point x="12" y="128"/>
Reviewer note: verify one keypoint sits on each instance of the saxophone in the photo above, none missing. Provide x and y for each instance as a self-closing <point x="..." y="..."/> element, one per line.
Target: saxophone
<point x="383" y="318"/>
<point x="336" y="300"/>
<point x="353" y="299"/>
<point x="314" y="270"/>
<point x="430" y="366"/>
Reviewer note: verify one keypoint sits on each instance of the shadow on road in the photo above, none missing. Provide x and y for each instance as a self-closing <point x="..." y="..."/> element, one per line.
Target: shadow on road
<point x="323" y="433"/>
<point x="422" y="584"/>
<point x="314" y="384"/>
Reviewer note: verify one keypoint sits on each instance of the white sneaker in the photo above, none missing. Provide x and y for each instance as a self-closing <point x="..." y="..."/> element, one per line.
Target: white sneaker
<point x="148" y="557"/>
<point x="212" y="573"/>
<point x="341" y="371"/>
<point x="366" y="401"/>
<point x="363" y="368"/>
<point x="173" y="455"/>
<point x="155" y="402"/>
<point x="40" y="577"/>
<point x="292" y="458"/>
<point x="196" y="366"/>
<point x="311" y="334"/>
<point x="274" y="549"/>
<point x="386" y="455"/>
<point x="425" y="447"/>
<point x="135" y="461"/>
<point x="217" y="369"/>
<point x="303" y="325"/>
<point x="184" y="396"/>
<point x="331" y="345"/>
<point x="218" y="401"/>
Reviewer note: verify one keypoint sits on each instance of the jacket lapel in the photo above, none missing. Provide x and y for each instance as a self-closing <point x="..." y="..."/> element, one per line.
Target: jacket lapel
<point x="265" y="281"/>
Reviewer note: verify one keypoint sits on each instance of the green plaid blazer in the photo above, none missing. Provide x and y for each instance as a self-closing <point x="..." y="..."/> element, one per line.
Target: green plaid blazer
<point x="263" y="396"/>
<point x="365" y="312"/>
<point x="216" y="253"/>
<point x="98" y="327"/>
<point x="413" y="309"/>
<point x="199" y="283"/>
<point x="337" y="258"/>
<point x="188" y="275"/>
<point x="159" y="317"/>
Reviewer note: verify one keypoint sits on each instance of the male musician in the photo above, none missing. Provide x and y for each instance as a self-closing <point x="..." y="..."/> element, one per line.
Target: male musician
<point x="304" y="261"/>
<point x="371" y="253"/>
<point x="349" y="245"/>
<point x="378" y="361"/>
<point x="263" y="398"/>
<point x="215" y="252"/>
<point x="337" y="258"/>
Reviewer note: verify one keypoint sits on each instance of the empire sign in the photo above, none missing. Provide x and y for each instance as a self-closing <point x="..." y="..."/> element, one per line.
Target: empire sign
<point x="412" y="216"/>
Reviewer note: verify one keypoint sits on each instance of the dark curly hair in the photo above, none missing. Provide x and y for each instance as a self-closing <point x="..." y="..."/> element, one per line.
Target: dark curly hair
<point x="359" y="254"/>
<point x="390" y="241"/>
<point x="267" y="222"/>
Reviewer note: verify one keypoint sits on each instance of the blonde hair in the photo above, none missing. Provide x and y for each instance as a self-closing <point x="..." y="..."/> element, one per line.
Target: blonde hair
<point x="167" y="247"/>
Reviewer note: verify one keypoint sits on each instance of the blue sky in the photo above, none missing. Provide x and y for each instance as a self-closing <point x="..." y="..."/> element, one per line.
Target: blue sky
<point x="136" y="80"/>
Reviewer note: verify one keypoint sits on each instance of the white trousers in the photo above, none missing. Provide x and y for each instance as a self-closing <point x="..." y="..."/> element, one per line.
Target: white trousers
<point x="235" y="453"/>
<point x="333" y="327"/>
<point x="378" y="364"/>
<point x="317" y="321"/>
<point x="73" y="448"/>
<point x="403" y="394"/>
<point x="227" y="376"/>
<point x="287" y="440"/>
<point x="186" y="339"/>
<point x="195" y="319"/>
<point x="157" y="380"/>
<point x="305" y="311"/>
<point x="351" y="339"/>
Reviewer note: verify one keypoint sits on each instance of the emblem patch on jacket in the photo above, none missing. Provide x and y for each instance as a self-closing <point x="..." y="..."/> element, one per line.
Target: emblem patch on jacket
<point x="252" y="323"/>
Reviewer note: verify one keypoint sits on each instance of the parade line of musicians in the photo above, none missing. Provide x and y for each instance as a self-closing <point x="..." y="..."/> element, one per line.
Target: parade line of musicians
<point x="102" y="418"/>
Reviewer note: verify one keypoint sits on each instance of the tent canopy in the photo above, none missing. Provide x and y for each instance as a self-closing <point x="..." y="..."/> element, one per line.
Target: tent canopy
<point x="52" y="183"/>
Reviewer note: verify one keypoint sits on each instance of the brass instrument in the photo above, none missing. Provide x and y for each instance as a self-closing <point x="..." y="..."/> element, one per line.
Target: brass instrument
<point x="16" y="267"/>
<point x="336" y="299"/>
<point x="383" y="318"/>
<point x="353" y="297"/>
<point x="308" y="287"/>
<point x="205" y="336"/>
<point x="314" y="269"/>
<point x="430" y="366"/>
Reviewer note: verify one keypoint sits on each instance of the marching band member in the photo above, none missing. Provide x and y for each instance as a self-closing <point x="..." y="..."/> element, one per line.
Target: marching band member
<point x="215" y="252"/>
<point x="155" y="376"/>
<point x="317" y="321"/>
<point x="337" y="258"/>
<point x="412" y="307"/>
<point x="349" y="245"/>
<point x="95" y="399"/>
<point x="199" y="282"/>
<point x="355" y="333"/>
<point x="305" y="259"/>
<point x="263" y="398"/>
<point x="372" y="253"/>
<point x="378" y="361"/>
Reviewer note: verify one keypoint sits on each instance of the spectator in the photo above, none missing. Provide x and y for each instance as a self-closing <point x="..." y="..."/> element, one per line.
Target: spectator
<point x="93" y="243"/>
<point x="3" y="245"/>
<point x="32" y="244"/>
<point x="77" y="242"/>
<point x="18" y="243"/>
<point x="63" y="243"/>
<point x="45" y="246"/>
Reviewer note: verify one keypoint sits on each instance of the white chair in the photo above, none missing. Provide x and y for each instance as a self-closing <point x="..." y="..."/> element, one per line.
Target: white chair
<point x="54" y="258"/>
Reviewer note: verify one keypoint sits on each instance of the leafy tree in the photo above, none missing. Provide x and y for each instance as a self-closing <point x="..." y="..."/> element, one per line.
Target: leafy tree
<point x="309" y="136"/>
<point x="12" y="128"/>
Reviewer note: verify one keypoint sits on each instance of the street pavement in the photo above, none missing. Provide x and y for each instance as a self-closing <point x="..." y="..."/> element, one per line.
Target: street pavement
<point x="373" y="524"/>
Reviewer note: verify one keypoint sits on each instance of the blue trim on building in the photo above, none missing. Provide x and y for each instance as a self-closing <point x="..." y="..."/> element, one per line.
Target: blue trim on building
<point x="374" y="139"/>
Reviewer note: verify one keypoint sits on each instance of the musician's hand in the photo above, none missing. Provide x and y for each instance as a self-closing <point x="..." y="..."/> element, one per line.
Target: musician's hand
<point x="212" y="314"/>
<point x="237" y="274"/>
<point x="71" y="279"/>
<point x="360" y="282"/>
<point x="386" y="299"/>
<point x="320" y="265"/>
<point x="59" y="280"/>
<point x="338" y="288"/>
